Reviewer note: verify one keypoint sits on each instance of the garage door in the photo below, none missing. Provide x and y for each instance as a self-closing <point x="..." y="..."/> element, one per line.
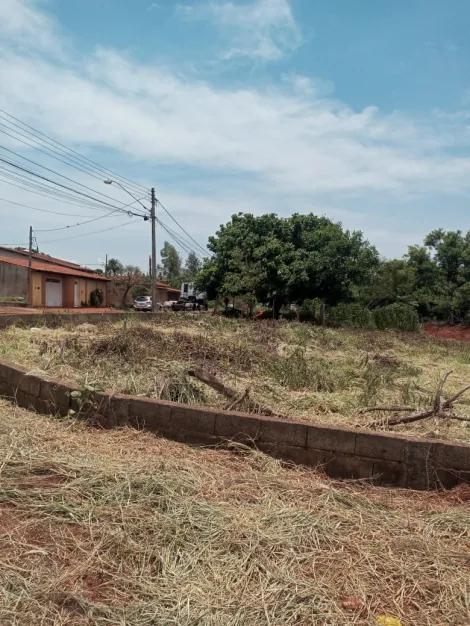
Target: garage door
<point x="53" y="292"/>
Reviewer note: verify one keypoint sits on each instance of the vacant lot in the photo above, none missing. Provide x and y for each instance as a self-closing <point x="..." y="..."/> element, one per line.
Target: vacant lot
<point x="120" y="527"/>
<point x="301" y="371"/>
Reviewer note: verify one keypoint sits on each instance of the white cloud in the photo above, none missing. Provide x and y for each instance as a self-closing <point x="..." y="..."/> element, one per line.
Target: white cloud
<point x="25" y="26"/>
<point x="262" y="29"/>
<point x="271" y="148"/>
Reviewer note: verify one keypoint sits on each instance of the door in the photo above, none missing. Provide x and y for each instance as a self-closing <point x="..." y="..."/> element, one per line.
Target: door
<point x="76" y="294"/>
<point x="53" y="292"/>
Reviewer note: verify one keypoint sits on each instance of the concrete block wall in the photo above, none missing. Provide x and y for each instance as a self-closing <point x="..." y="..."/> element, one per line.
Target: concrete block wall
<point x="381" y="458"/>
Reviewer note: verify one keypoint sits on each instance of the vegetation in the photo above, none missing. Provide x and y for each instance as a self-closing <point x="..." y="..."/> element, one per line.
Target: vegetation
<point x="121" y="527"/>
<point x="281" y="261"/>
<point x="324" y="375"/>
<point x="285" y="260"/>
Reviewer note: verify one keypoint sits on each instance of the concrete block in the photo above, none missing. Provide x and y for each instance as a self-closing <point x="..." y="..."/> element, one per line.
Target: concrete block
<point x="380" y="446"/>
<point x="30" y="384"/>
<point x="201" y="439"/>
<point x="57" y="394"/>
<point x="237" y="426"/>
<point x="456" y="456"/>
<point x="147" y="413"/>
<point x="293" y="454"/>
<point x="279" y="431"/>
<point x="116" y="408"/>
<point x="419" y="459"/>
<point x="193" y="419"/>
<point x="389" y="473"/>
<point x="349" y="466"/>
<point x="332" y="439"/>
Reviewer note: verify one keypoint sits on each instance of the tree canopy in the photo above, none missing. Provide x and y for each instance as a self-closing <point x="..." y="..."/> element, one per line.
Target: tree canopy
<point x="286" y="259"/>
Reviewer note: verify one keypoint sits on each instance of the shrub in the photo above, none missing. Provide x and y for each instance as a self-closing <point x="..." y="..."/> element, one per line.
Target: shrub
<point x="309" y="310"/>
<point x="287" y="313"/>
<point x="96" y="298"/>
<point x="397" y="317"/>
<point x="352" y="316"/>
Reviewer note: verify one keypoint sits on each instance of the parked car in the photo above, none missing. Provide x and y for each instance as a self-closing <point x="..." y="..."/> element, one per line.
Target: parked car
<point x="144" y="303"/>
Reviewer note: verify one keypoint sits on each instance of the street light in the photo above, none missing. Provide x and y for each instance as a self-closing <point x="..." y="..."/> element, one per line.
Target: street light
<point x="154" y="239"/>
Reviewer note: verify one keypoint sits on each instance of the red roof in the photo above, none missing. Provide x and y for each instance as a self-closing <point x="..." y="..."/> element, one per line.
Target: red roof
<point x="51" y="269"/>
<point x="43" y="257"/>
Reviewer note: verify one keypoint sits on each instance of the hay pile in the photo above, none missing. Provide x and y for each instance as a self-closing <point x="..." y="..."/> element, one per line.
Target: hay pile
<point x="107" y="528"/>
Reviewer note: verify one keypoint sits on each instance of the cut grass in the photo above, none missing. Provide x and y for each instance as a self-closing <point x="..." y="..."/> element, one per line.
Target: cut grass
<point x="301" y="371"/>
<point x="120" y="527"/>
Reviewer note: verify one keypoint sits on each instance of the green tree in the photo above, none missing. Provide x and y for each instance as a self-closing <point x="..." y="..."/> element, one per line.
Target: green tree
<point x="170" y="269"/>
<point x="285" y="260"/>
<point x="192" y="266"/>
<point x="114" y="267"/>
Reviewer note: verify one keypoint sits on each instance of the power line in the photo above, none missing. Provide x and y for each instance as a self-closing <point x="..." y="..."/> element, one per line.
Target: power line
<point x="60" y="184"/>
<point x="49" y="192"/>
<point x="69" y="152"/>
<point x="57" y="174"/>
<point x="94" y="232"/>
<point x="178" y="240"/>
<point x="50" y="230"/>
<point x="184" y="231"/>
<point x="26" y="206"/>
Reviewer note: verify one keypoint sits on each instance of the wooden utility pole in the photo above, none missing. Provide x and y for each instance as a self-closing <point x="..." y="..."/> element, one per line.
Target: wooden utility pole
<point x="106" y="265"/>
<point x="154" y="251"/>
<point x="30" y="264"/>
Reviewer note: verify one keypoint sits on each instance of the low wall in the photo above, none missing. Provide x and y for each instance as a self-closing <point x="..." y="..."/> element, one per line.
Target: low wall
<point x="384" y="459"/>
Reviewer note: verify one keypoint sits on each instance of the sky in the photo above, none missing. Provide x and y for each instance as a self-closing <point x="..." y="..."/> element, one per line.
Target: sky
<point x="359" y="111"/>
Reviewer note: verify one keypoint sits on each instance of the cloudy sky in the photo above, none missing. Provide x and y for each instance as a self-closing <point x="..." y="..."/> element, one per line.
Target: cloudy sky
<point x="356" y="110"/>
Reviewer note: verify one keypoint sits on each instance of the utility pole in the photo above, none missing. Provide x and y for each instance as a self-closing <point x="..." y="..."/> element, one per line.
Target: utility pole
<point x="106" y="265"/>
<point x="154" y="251"/>
<point x="30" y="264"/>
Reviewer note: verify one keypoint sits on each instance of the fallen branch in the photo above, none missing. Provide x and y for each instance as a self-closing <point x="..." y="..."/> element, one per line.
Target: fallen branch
<point x="371" y="409"/>
<point x="221" y="388"/>
<point x="439" y="409"/>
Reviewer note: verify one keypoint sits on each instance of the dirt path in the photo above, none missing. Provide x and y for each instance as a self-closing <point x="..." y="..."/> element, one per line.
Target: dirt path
<point x="459" y="333"/>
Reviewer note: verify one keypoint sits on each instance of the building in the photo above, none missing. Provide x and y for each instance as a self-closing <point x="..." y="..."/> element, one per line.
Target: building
<point x="120" y="289"/>
<point x="54" y="283"/>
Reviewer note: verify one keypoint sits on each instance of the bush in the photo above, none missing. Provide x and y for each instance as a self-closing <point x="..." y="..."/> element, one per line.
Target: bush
<point x="352" y="316"/>
<point x="96" y="298"/>
<point x="397" y="317"/>
<point x="287" y="313"/>
<point x="309" y="310"/>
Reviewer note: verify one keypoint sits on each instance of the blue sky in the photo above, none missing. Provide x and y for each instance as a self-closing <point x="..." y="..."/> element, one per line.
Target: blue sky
<point x="356" y="110"/>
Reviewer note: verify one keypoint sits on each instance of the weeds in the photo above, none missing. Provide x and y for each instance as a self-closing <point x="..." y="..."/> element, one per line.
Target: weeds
<point x="319" y="374"/>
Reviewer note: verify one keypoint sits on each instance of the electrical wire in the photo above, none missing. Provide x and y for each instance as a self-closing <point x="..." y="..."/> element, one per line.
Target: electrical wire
<point x="61" y="185"/>
<point x="176" y="238"/>
<point x="54" y="149"/>
<point x="49" y="192"/>
<point x="26" y="206"/>
<point x="184" y="231"/>
<point x="94" y="232"/>
<point x="69" y="152"/>
<point x="95" y="219"/>
<point x="57" y="174"/>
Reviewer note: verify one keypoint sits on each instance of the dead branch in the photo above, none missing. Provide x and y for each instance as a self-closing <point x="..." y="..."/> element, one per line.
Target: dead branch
<point x="238" y="401"/>
<point x="371" y="409"/>
<point x="438" y="410"/>
<point x="437" y="397"/>
<point x="221" y="388"/>
<point x="448" y="403"/>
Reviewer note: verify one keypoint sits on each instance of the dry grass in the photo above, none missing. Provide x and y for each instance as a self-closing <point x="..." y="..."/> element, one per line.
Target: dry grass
<point x="322" y="375"/>
<point x="108" y="528"/>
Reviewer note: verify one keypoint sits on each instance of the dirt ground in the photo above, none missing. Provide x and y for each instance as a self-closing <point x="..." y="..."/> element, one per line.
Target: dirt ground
<point x="458" y="333"/>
